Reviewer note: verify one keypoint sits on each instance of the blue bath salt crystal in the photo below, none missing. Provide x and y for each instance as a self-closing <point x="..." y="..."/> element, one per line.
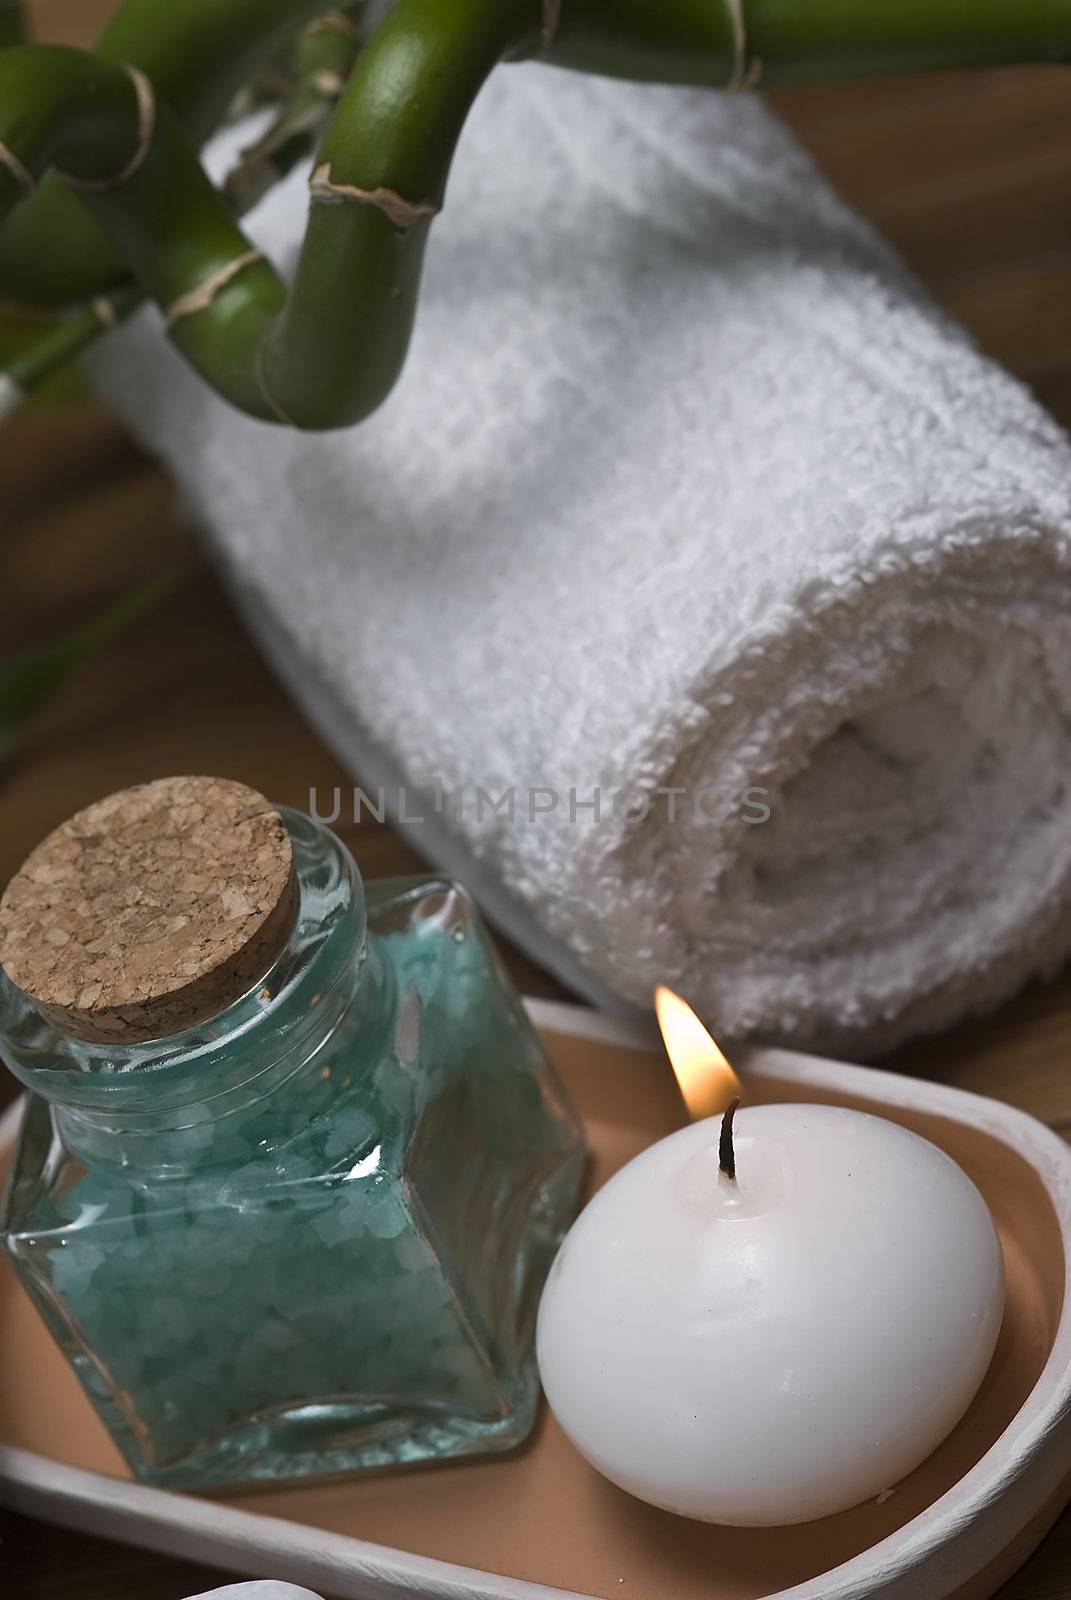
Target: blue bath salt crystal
<point x="327" y="1259"/>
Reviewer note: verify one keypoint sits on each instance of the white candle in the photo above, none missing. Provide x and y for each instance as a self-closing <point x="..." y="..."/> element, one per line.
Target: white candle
<point x="781" y="1348"/>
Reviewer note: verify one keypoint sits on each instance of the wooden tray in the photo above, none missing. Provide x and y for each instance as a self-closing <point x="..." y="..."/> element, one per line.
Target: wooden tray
<point x="542" y="1522"/>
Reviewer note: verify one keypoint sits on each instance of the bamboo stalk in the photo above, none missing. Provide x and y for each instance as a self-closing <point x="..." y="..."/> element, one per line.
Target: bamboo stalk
<point x="197" y="54"/>
<point x="288" y="141"/>
<point x="804" y="41"/>
<point x="335" y="351"/>
<point x="29" y="681"/>
<point x="327" y="353"/>
<point x="325" y="55"/>
<point x="26" y="372"/>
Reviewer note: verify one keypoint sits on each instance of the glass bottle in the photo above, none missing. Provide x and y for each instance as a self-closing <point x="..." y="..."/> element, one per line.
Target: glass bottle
<point x="307" y="1235"/>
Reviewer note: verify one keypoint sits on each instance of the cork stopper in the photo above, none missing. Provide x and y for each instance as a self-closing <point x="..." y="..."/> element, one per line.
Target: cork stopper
<point x="151" y="910"/>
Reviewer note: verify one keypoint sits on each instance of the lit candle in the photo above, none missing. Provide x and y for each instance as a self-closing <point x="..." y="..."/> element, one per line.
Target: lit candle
<point x="768" y="1318"/>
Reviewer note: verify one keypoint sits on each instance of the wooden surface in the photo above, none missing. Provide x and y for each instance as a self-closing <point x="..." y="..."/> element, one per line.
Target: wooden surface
<point x="970" y="176"/>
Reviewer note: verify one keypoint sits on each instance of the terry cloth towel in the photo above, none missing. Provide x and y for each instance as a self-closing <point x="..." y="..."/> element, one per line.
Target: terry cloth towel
<point x="686" y="487"/>
<point x="261" y="1589"/>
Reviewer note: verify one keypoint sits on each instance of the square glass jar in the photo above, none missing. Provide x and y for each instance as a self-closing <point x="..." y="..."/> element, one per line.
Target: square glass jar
<point x="307" y="1236"/>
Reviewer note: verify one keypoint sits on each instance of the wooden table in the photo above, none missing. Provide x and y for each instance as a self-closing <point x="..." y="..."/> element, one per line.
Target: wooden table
<point x="970" y="176"/>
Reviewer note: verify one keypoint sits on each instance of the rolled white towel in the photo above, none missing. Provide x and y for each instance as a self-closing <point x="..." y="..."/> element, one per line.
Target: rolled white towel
<point x="686" y="486"/>
<point x="259" y="1589"/>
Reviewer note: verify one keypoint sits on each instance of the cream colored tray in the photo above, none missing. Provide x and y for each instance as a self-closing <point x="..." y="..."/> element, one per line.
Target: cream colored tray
<point x="541" y="1522"/>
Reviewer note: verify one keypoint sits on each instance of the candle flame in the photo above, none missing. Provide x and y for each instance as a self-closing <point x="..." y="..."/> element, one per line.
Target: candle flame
<point x="705" y="1078"/>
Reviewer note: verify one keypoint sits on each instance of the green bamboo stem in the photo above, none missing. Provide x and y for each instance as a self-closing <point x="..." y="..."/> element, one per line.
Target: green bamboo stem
<point x="198" y="54"/>
<point x="335" y="351"/>
<point x="883" y="37"/>
<point x="32" y="368"/>
<point x="325" y="55"/>
<point x="330" y="354"/>
<point x="267" y="163"/>
<point x="327" y="353"/>
<point x="804" y="41"/>
<point x="29" y="681"/>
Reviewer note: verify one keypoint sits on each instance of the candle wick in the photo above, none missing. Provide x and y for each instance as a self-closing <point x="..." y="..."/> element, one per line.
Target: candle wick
<point x="726" y="1148"/>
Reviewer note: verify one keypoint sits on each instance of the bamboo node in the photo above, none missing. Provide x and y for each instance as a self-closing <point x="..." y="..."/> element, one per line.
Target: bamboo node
<point x="269" y="399"/>
<point x="104" y="311"/>
<point x="146" y="100"/>
<point x="395" y="207"/>
<point x="334" y="22"/>
<point x="329" y="84"/>
<point x="552" y="16"/>
<point x="746" y="69"/>
<point x="201" y="296"/>
<point x="18" y="169"/>
<point x="11" y="396"/>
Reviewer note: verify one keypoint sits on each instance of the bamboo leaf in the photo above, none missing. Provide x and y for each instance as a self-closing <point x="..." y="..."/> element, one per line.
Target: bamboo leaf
<point x="21" y="334"/>
<point x="29" y="680"/>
